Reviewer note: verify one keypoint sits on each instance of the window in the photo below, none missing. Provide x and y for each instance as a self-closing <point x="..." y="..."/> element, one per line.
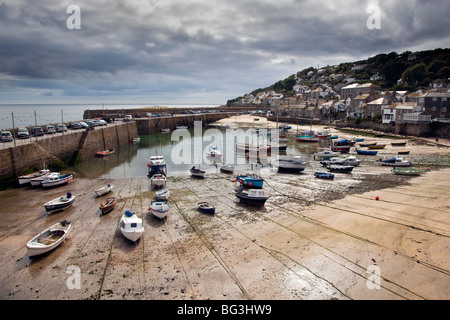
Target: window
<point x="444" y="99"/>
<point x="434" y="99"/>
<point x="133" y="225"/>
<point x="444" y="109"/>
<point x="433" y="109"/>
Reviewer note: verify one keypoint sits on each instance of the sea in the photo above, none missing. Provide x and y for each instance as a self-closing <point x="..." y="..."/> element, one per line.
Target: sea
<point x="23" y="115"/>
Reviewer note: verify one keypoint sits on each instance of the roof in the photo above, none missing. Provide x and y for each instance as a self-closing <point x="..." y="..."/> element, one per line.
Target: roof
<point x="379" y="101"/>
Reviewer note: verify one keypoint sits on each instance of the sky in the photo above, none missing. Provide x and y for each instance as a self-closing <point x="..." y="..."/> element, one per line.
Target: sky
<point x="195" y="51"/>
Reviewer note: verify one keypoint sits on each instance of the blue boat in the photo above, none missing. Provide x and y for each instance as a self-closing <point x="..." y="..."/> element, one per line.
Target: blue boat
<point x="324" y="175"/>
<point x="206" y="207"/>
<point x="366" y="152"/>
<point x="250" y="181"/>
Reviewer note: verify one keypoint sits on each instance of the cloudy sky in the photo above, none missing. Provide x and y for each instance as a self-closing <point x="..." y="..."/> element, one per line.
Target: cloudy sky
<point x="194" y="51"/>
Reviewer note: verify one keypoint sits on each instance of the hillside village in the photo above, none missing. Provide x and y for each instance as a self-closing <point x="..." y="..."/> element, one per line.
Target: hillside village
<point x="327" y="94"/>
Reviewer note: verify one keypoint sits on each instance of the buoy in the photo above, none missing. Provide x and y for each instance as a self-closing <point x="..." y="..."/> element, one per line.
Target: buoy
<point x="377" y="198"/>
<point x="235" y="180"/>
<point x="250" y="184"/>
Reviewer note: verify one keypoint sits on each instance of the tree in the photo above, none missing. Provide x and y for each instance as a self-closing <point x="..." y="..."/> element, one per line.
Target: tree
<point x="415" y="74"/>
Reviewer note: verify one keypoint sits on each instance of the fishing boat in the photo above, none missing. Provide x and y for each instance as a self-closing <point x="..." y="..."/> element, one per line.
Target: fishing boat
<point x="213" y="152"/>
<point x="342" y="149"/>
<point x="324" y="175"/>
<point x="352" y="161"/>
<point x="344" y="142"/>
<point x="307" y="138"/>
<point x="275" y="146"/>
<point x="377" y="146"/>
<point x="158" y="180"/>
<point x="403" y="152"/>
<point x="398" y="162"/>
<point x="156" y="164"/>
<point x="162" y="194"/>
<point x="48" y="239"/>
<point x="60" y="203"/>
<point x="340" y="168"/>
<point x="104" y="190"/>
<point x="333" y="137"/>
<point x="159" y="209"/>
<point x="108" y="205"/>
<point x="131" y="226"/>
<point x="326" y="154"/>
<point x="35" y="182"/>
<point x="205" y="207"/>
<point x="296" y="163"/>
<point x="105" y="153"/>
<point x="349" y="161"/>
<point x="251" y="196"/>
<point x="366" y="152"/>
<point x="398" y="144"/>
<point x="196" y="172"/>
<point x="135" y="140"/>
<point x="407" y="171"/>
<point x="368" y="144"/>
<point x="245" y="147"/>
<point x="57" y="179"/>
<point x="323" y="134"/>
<point x="26" y="179"/>
<point x="226" y="168"/>
<point x="250" y="180"/>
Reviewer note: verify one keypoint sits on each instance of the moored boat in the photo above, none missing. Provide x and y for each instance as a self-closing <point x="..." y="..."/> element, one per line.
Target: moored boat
<point x="226" y="168"/>
<point x="105" y="153"/>
<point x="108" y="205"/>
<point x="104" y="190"/>
<point x="307" y="138"/>
<point x="403" y="152"/>
<point x="366" y="152"/>
<point x="156" y="164"/>
<point x="159" y="209"/>
<point x="131" y="226"/>
<point x="340" y="168"/>
<point x="326" y="154"/>
<point x="57" y="179"/>
<point x="48" y="239"/>
<point x="407" y="171"/>
<point x="195" y="172"/>
<point x="206" y="207"/>
<point x="250" y="180"/>
<point x="341" y="148"/>
<point x="324" y="175"/>
<point x="377" y="146"/>
<point x="252" y="196"/>
<point x="25" y="179"/>
<point x="213" y="152"/>
<point x="162" y="194"/>
<point x="349" y="161"/>
<point x="35" y="182"/>
<point x="158" y="180"/>
<point x="60" y="203"/>
<point x="296" y="163"/>
<point x="398" y="144"/>
<point x="398" y="162"/>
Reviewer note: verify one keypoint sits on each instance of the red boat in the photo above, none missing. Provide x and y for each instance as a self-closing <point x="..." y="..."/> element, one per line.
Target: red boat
<point x="105" y="152"/>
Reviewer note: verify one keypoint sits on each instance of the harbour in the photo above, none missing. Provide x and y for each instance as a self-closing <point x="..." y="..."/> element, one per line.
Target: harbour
<point x="312" y="239"/>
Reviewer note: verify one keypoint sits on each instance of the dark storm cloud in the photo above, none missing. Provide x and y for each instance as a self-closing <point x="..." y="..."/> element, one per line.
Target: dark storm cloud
<point x="171" y="48"/>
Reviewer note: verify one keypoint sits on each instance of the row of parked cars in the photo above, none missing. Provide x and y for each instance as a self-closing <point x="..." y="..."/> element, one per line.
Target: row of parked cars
<point x="23" y="133"/>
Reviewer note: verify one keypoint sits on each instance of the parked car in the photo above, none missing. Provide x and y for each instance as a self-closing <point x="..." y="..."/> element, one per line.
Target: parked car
<point x="37" y="131"/>
<point x="128" y="118"/>
<point x="61" y="128"/>
<point x="75" y="126"/>
<point x="6" y="136"/>
<point x="22" y="133"/>
<point x="102" y="122"/>
<point x="49" y="129"/>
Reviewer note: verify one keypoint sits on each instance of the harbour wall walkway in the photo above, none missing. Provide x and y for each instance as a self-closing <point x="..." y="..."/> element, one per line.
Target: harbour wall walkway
<point x="66" y="147"/>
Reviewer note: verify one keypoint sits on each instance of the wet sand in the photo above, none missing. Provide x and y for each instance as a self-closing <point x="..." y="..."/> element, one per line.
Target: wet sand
<point x="314" y="239"/>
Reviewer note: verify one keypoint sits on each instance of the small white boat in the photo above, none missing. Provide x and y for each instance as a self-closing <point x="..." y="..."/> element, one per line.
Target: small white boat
<point x="226" y="168"/>
<point x="48" y="239"/>
<point x="352" y="161"/>
<point x="214" y="153"/>
<point x="59" y="204"/>
<point x="25" y="179"/>
<point x="326" y="154"/>
<point x="56" y="180"/>
<point x="156" y="164"/>
<point x="294" y="163"/>
<point x="158" y="180"/>
<point x="159" y="209"/>
<point x="197" y="172"/>
<point x="104" y="190"/>
<point x="136" y="140"/>
<point x="398" y="162"/>
<point x="163" y="194"/>
<point x="131" y="226"/>
<point x="36" y="182"/>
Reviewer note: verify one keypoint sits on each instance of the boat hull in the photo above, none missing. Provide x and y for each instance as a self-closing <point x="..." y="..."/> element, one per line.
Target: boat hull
<point x="60" y="181"/>
<point x="324" y="175"/>
<point x="48" y="239"/>
<point x="59" y="204"/>
<point x="159" y="209"/>
<point x="256" y="201"/>
<point x="366" y="152"/>
<point x="108" y="205"/>
<point x="250" y="182"/>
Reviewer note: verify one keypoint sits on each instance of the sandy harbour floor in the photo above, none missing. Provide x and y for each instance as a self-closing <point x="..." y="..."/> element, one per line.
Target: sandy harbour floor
<point x="314" y="239"/>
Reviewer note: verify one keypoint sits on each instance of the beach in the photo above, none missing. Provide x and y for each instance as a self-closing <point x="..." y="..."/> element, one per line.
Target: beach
<point x="368" y="235"/>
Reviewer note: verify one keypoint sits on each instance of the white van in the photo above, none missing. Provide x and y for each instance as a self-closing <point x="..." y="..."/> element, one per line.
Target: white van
<point x="128" y="118"/>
